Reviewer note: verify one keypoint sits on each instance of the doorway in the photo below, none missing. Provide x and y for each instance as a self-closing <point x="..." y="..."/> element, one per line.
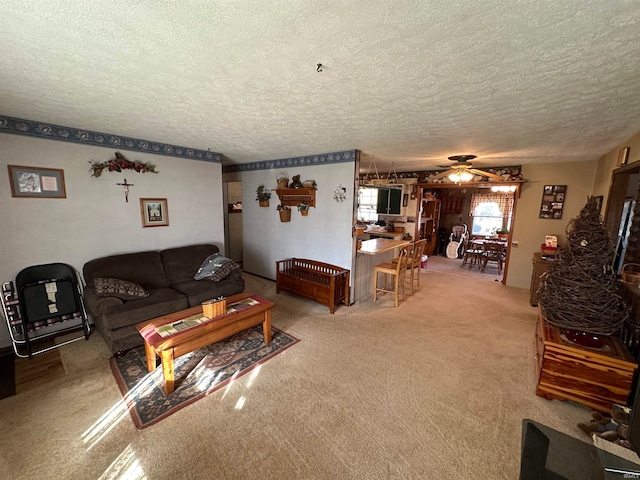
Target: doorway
<point x="622" y="218"/>
<point x="233" y="221"/>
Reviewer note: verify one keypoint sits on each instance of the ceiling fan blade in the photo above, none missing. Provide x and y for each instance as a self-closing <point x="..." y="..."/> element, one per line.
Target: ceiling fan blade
<point x="486" y="174"/>
<point x="442" y="174"/>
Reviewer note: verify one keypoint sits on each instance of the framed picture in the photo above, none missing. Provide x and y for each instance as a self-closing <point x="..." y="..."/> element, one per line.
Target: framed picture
<point x="599" y="200"/>
<point x="154" y="212"/>
<point x="405" y="199"/>
<point x="553" y="201"/>
<point x="623" y="156"/>
<point x="36" y="182"/>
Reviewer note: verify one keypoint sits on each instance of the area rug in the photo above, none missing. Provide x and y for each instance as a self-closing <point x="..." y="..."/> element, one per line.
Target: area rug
<point x="196" y="374"/>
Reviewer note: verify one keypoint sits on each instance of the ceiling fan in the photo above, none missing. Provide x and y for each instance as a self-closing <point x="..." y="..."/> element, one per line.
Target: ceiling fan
<point x="462" y="170"/>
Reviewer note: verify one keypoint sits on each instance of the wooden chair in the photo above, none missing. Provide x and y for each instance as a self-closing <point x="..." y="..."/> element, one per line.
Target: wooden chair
<point x="414" y="261"/>
<point x="493" y="252"/>
<point x="397" y="270"/>
<point x="471" y="254"/>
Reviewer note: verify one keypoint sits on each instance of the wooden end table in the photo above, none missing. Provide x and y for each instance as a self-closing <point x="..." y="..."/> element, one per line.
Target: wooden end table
<point x="174" y="345"/>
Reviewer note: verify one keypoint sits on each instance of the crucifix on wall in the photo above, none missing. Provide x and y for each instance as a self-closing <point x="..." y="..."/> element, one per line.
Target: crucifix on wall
<point x="126" y="189"/>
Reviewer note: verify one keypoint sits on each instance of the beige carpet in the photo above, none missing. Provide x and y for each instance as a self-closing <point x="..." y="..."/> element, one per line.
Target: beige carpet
<point x="434" y="389"/>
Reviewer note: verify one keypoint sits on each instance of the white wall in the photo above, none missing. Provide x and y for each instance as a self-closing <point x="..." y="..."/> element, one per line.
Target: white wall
<point x="324" y="235"/>
<point x="94" y="220"/>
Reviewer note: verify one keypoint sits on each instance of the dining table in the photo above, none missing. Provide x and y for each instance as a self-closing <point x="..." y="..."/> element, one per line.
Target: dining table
<point x="477" y="246"/>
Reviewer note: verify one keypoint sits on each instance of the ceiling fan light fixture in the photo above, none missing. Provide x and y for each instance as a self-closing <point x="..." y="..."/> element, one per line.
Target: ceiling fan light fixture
<point x="458" y="177"/>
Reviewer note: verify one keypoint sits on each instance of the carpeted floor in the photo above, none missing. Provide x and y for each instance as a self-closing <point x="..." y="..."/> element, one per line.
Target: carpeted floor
<point x="436" y="388"/>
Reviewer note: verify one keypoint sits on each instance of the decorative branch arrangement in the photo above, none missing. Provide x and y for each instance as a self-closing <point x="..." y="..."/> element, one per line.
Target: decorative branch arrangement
<point x="119" y="163"/>
<point x="581" y="290"/>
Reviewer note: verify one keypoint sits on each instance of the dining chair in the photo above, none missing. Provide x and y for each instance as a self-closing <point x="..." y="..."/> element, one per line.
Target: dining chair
<point x="470" y="253"/>
<point x="492" y="252"/>
<point x="397" y="271"/>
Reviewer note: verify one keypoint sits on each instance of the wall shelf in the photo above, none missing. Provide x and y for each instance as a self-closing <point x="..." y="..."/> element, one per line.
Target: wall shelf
<point x="291" y="197"/>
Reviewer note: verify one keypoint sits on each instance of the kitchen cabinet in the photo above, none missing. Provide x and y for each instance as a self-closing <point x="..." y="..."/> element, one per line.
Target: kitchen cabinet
<point x="389" y="201"/>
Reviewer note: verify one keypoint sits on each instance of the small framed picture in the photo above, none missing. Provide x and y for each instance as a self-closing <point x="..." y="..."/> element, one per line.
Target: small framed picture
<point x="154" y="212"/>
<point x="405" y="199"/>
<point x="623" y="156"/>
<point x="36" y="182"/>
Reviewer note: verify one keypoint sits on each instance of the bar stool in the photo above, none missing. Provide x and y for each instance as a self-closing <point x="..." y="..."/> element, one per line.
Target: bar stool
<point x="397" y="270"/>
<point x="413" y="263"/>
<point x="418" y="251"/>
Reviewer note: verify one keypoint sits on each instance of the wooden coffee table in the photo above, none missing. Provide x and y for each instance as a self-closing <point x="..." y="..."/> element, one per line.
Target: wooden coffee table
<point x="174" y="343"/>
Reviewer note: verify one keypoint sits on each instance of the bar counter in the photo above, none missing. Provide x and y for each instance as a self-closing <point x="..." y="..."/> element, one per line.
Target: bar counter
<point x="371" y="253"/>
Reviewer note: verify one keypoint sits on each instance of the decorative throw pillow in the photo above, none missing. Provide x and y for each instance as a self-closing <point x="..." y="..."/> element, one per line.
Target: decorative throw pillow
<point x="114" y="287"/>
<point x="215" y="268"/>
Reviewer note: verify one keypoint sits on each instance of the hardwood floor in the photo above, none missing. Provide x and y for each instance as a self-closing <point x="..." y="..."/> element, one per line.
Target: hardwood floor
<point x="43" y="368"/>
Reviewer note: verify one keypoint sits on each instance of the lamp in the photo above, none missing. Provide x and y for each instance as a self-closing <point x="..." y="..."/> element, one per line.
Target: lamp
<point x="458" y="177"/>
<point x="504" y="188"/>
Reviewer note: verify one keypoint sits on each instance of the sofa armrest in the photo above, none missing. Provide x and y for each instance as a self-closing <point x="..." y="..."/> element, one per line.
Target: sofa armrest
<point x="98" y="304"/>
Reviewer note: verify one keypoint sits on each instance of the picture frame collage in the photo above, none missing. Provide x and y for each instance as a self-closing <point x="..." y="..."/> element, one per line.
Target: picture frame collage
<point x="553" y="198"/>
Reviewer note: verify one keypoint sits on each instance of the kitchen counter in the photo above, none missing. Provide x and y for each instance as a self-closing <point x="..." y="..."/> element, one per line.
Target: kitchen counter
<point x="371" y="253"/>
<point x="380" y="245"/>
<point x="369" y="235"/>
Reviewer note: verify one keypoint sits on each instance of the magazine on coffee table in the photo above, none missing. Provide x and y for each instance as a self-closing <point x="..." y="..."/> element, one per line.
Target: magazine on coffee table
<point x="199" y="318"/>
<point x="242" y="304"/>
<point x="179" y="325"/>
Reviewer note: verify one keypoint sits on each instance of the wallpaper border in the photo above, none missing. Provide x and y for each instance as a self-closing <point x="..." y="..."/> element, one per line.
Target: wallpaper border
<point x="50" y="131"/>
<point x="310" y="160"/>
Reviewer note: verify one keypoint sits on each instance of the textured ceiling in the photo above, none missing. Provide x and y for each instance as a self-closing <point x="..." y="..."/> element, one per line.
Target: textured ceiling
<point x="408" y="82"/>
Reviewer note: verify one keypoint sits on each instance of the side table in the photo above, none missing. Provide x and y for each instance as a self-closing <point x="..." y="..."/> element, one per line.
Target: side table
<point x="540" y="266"/>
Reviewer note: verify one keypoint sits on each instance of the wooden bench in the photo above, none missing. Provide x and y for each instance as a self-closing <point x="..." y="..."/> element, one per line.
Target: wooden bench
<point x="321" y="282"/>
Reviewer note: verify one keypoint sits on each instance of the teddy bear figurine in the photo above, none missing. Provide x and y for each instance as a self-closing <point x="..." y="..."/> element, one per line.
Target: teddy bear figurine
<point x="295" y="182"/>
<point x="610" y="428"/>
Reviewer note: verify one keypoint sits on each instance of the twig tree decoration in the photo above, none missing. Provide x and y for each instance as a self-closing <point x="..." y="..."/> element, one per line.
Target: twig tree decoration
<point x="581" y="290"/>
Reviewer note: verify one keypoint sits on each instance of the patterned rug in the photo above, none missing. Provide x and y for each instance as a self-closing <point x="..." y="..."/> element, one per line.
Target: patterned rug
<point x="196" y="374"/>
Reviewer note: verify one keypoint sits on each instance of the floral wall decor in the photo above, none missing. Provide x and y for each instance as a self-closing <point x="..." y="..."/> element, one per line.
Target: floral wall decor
<point x="119" y="163"/>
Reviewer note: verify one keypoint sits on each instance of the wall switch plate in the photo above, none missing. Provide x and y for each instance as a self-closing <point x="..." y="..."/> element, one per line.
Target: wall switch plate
<point x="514" y="244"/>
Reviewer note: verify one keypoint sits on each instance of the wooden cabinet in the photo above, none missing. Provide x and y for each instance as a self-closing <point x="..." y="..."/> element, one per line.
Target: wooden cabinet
<point x="540" y="266"/>
<point x="597" y="378"/>
<point x="291" y="197"/>
<point x="389" y="201"/>
<point x="427" y="223"/>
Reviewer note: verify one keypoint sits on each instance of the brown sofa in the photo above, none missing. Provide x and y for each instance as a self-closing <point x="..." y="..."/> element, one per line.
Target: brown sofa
<point x="168" y="277"/>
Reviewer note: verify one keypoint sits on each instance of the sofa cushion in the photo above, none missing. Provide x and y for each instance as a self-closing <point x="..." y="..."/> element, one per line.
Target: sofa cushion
<point x="144" y="268"/>
<point x="97" y="304"/>
<point x="215" y="268"/>
<point x="182" y="263"/>
<point x="115" y="287"/>
<point x="198" y="291"/>
<point x="161" y="301"/>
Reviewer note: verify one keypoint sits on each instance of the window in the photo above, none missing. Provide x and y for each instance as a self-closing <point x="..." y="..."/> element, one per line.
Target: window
<point x="491" y="212"/>
<point x="368" y="204"/>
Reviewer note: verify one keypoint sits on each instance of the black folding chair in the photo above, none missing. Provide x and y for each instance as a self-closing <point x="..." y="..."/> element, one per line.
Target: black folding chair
<point x="51" y="304"/>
